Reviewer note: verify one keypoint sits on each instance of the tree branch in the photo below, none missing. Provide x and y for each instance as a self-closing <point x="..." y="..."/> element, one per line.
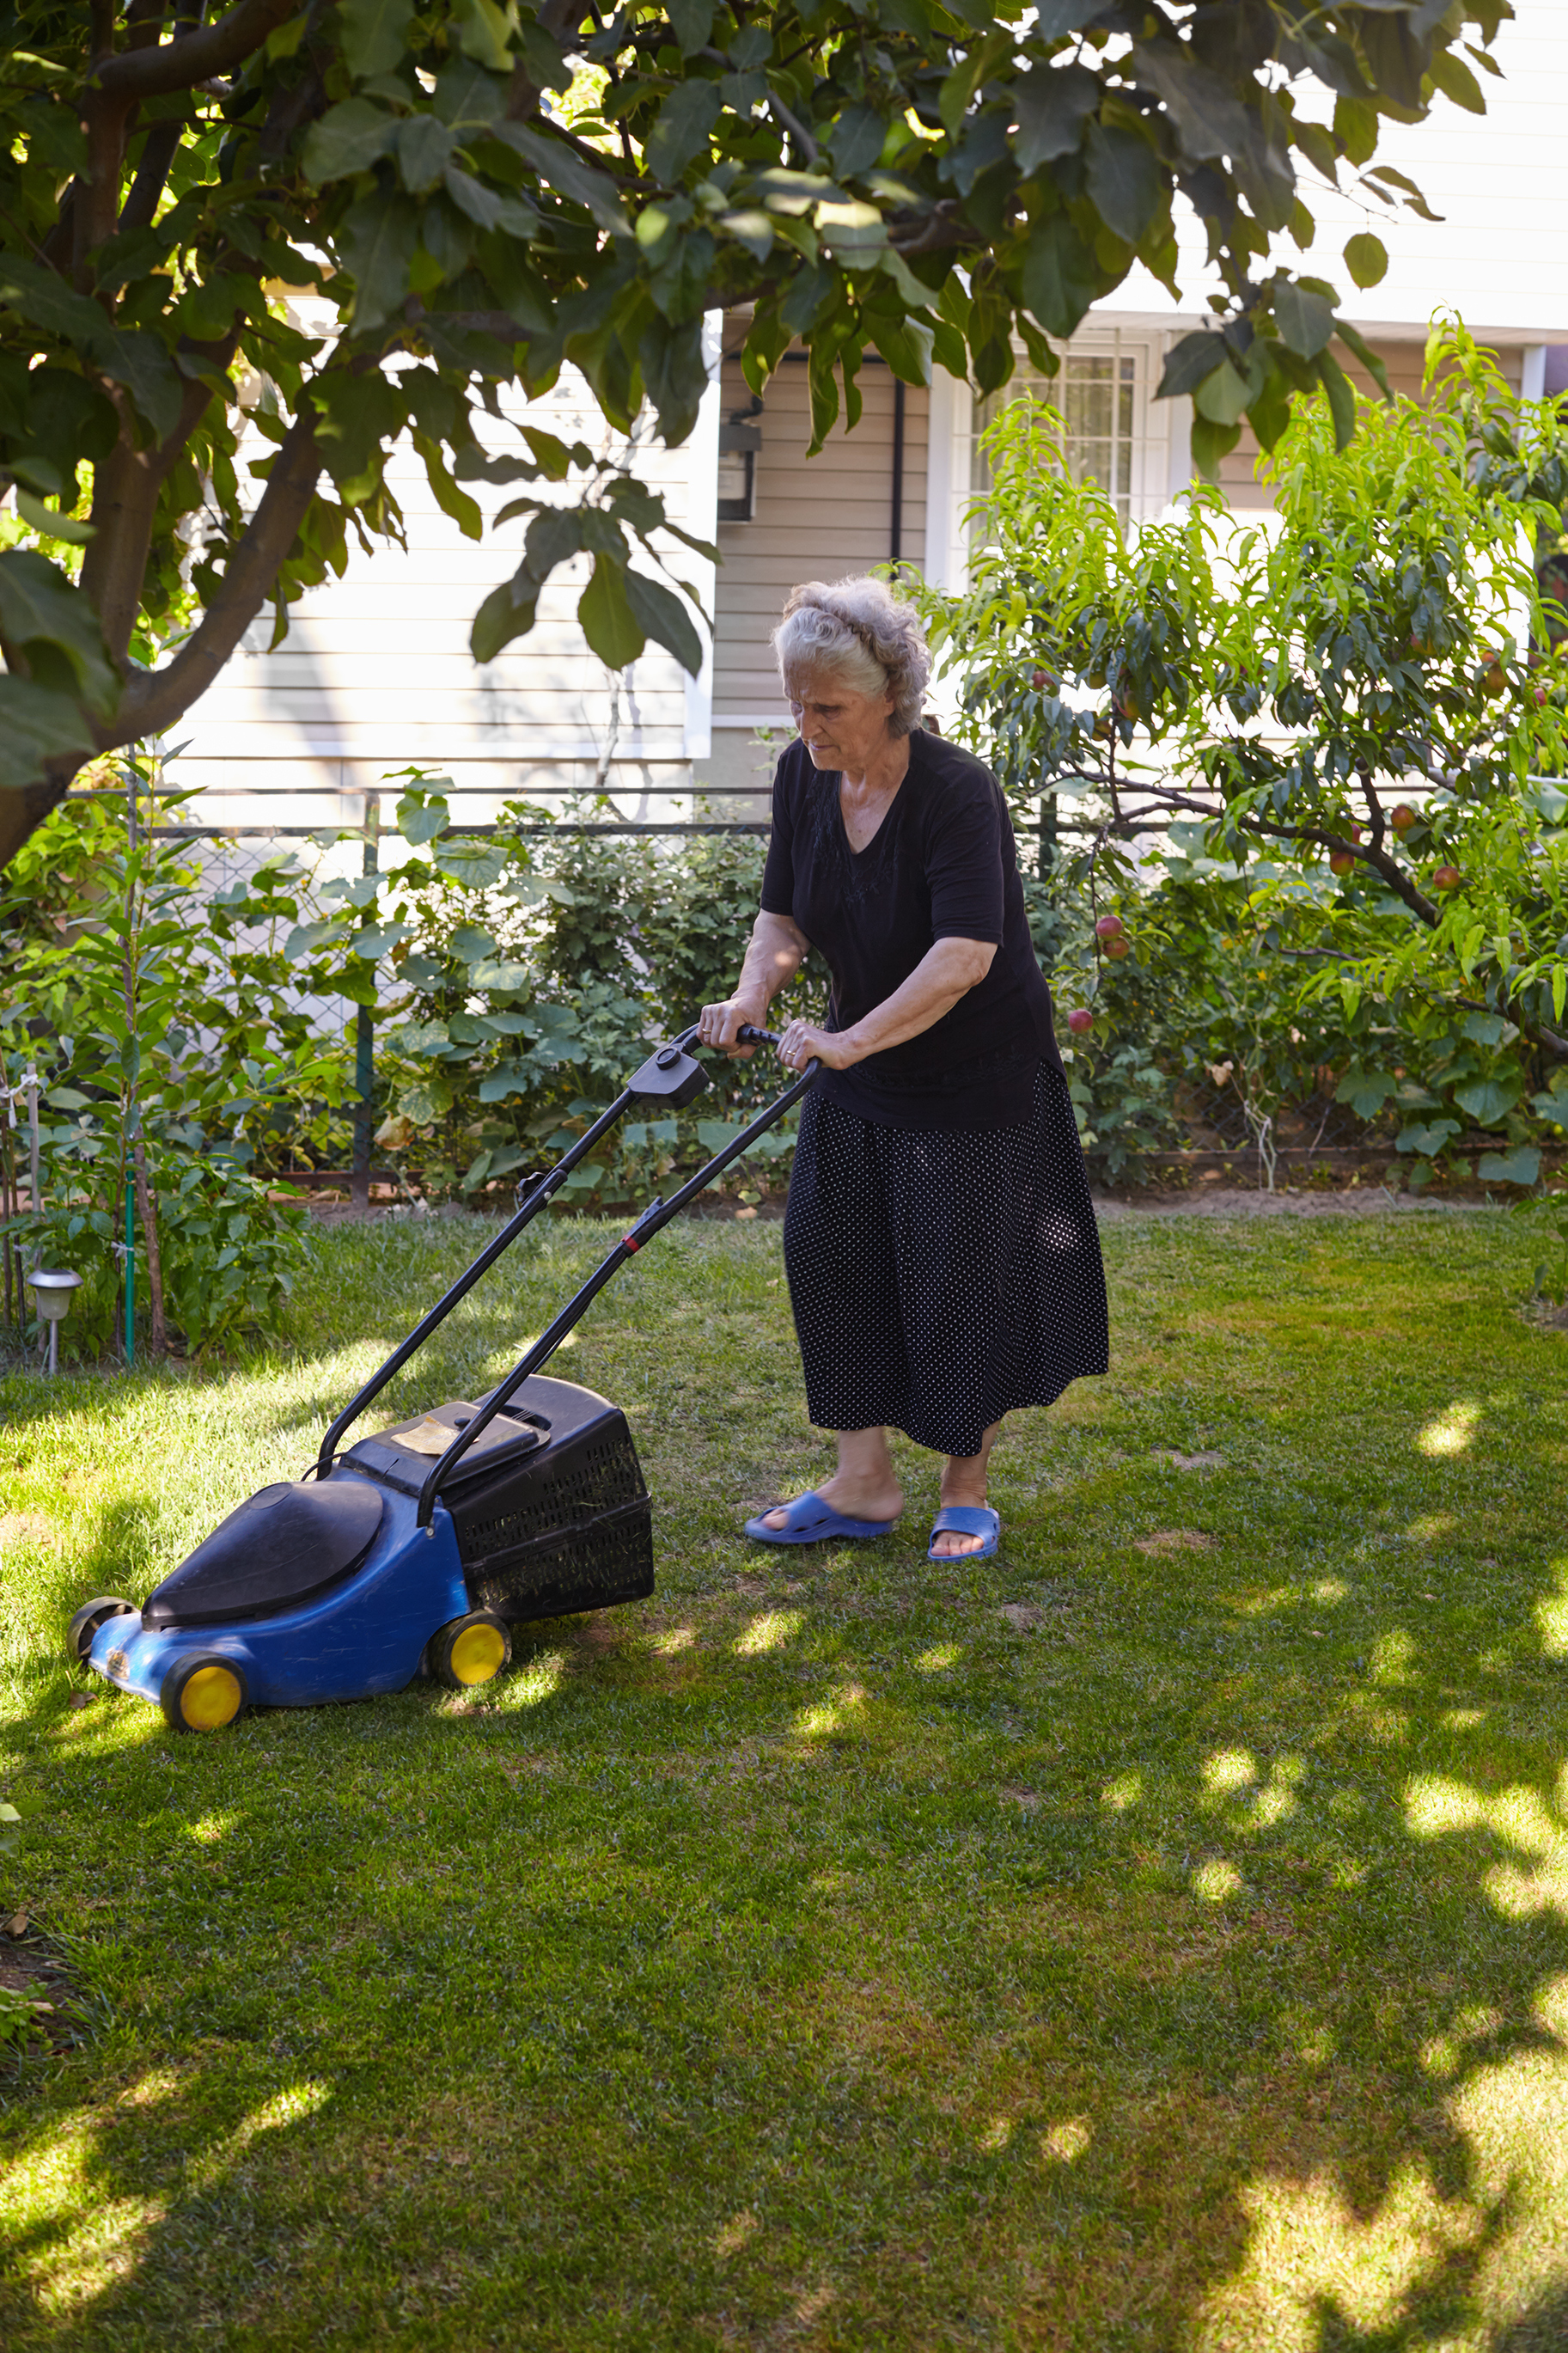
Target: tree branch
<point x="192" y="58"/>
<point x="158" y="153"/>
<point x="155" y="698"/>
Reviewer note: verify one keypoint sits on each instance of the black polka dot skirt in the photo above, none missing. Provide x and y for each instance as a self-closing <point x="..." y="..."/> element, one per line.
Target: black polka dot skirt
<point x="942" y="1278"/>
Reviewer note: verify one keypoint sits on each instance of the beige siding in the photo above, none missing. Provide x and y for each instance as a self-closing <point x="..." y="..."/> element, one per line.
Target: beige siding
<point x="376" y="672"/>
<point x="815" y="519"/>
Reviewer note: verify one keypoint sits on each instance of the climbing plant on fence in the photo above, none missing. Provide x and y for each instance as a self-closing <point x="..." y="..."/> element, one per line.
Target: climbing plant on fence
<point x="182" y="1038"/>
<point x="1327" y="738"/>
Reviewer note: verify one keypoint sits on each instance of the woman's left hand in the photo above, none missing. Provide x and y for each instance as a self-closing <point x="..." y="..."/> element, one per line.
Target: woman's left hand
<point x="801" y="1043"/>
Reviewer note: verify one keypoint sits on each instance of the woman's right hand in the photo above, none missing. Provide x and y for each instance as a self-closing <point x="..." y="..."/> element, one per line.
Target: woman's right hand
<point x="720" y="1023"/>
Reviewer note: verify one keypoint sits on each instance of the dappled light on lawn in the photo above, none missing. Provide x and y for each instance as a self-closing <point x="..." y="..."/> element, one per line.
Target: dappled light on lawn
<point x="1119" y="1943"/>
<point x="1451" y="1431"/>
<point x="1535" y="1876"/>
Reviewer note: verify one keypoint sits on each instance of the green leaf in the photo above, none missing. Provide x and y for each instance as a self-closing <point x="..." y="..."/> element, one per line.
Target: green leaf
<point x="1188" y="361"/>
<point x="505" y="976"/>
<point x="857" y="140"/>
<point x="1456" y="81"/>
<point x="1357" y="125"/>
<point x="1053" y="103"/>
<point x="478" y="864"/>
<point x="426" y="1101"/>
<point x="375" y="34"/>
<point x="1429" y="1139"/>
<point x="907" y="348"/>
<point x="1519" y="1166"/>
<point x="663" y="616"/>
<point x="1124" y="178"/>
<point x="425" y="147"/>
<point x="1366" y="1092"/>
<point x="1488" y="1101"/>
<point x="1341" y="399"/>
<point x="607" y="620"/>
<point x="421" y="816"/>
<point x="376" y="242"/>
<point x="1059" y="276"/>
<point x="1208" y="120"/>
<point x="691" y="22"/>
<point x="1223" y="395"/>
<point x="1306" y="321"/>
<point x="506" y="613"/>
<point x="567" y="174"/>
<point x="483" y="34"/>
<point x="686" y="122"/>
<point x="142" y="365"/>
<point x="468" y="99"/>
<point x="38" y="724"/>
<point x="347" y="140"/>
<point x="1366" y="259"/>
<point x="308" y="939"/>
<point x="53" y="624"/>
<point x="472" y="944"/>
<point x="1354" y="341"/>
<point x="377" y="940"/>
<point x="854" y="233"/>
<point x="48" y="521"/>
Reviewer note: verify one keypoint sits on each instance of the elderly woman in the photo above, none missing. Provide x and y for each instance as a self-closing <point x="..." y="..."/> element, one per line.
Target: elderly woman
<point x="943" y="1257"/>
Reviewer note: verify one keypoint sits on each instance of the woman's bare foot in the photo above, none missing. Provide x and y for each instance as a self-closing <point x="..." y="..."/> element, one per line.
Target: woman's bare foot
<point x="964" y="1482"/>
<point x="865" y="1486"/>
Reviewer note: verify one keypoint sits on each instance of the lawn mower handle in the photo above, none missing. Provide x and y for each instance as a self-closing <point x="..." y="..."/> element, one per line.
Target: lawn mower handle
<point x="657" y="1216"/>
<point x="539" y="1198"/>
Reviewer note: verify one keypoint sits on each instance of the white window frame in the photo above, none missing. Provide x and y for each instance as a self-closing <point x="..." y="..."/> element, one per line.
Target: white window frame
<point x="1160" y="438"/>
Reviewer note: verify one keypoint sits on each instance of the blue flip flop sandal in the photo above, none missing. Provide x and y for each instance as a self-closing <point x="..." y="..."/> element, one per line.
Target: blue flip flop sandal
<point x="808" y="1520"/>
<point x="966" y="1520"/>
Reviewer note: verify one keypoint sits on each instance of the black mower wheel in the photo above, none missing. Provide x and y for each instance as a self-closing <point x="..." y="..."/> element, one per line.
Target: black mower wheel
<point x="470" y="1650"/>
<point x="88" y="1620"/>
<point x="203" y="1692"/>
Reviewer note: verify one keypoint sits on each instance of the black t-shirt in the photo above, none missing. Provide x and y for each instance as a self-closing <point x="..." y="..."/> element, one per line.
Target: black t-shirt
<point x="941" y="865"/>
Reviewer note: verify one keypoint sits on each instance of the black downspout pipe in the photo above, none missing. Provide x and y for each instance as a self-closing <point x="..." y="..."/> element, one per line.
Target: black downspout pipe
<point x="896" y="532"/>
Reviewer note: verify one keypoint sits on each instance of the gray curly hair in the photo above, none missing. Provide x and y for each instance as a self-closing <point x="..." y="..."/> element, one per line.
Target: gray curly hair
<point x="861" y="631"/>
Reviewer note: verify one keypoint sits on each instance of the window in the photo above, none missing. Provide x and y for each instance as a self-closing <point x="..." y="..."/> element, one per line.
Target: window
<point x="1103" y="391"/>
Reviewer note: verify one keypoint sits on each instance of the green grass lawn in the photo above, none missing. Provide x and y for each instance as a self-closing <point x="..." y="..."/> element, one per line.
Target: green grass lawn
<point x="1153" y="1939"/>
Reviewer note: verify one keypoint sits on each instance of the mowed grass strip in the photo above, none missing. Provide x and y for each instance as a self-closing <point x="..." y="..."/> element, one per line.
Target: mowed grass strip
<point x="1151" y="1938"/>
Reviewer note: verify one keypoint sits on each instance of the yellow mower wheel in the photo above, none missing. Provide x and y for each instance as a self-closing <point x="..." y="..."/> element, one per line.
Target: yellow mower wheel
<point x="470" y="1650"/>
<point x="203" y="1693"/>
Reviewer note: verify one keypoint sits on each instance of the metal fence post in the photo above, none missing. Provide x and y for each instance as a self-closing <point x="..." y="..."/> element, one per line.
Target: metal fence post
<point x="364" y="1047"/>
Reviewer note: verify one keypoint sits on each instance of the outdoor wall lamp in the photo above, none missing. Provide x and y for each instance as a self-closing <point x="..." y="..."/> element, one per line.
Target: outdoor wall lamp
<point x="739" y="443"/>
<point x="54" y="1286"/>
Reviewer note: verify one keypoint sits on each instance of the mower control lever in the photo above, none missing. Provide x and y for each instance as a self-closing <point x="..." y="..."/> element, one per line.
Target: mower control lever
<point x="749" y="1035"/>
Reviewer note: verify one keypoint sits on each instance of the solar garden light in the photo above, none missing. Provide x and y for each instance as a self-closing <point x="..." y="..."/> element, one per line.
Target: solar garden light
<point x="53" y="1286"/>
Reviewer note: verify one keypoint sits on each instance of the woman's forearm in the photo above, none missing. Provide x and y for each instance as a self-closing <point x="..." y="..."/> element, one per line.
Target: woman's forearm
<point x="774" y="953"/>
<point x="947" y="972"/>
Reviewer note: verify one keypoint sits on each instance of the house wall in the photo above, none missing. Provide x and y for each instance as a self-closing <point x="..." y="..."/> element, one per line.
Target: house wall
<point x="375" y="672"/>
<point x="814" y="519"/>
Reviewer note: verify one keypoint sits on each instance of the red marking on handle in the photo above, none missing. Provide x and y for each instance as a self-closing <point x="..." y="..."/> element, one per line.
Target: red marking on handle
<point x="628" y="1242"/>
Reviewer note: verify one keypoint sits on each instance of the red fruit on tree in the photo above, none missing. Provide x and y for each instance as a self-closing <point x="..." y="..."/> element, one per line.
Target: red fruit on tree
<point x="1403" y="819"/>
<point x="1447" y="878"/>
<point x="1118" y="948"/>
<point x="1342" y="862"/>
<point x="1079" y="1020"/>
<point x="1108" y="928"/>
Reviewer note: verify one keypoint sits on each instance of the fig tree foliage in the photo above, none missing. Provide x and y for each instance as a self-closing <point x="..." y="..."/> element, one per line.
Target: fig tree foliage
<point x="486" y="190"/>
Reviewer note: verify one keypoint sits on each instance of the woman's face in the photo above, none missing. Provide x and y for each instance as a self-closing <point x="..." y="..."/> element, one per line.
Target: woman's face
<point x="840" y="727"/>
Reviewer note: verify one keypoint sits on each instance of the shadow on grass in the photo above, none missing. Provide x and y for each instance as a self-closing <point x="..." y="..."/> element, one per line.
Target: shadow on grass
<point x="820" y="1957"/>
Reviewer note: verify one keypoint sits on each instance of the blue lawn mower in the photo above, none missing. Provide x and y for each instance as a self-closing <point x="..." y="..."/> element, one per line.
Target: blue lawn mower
<point x="417" y="1551"/>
